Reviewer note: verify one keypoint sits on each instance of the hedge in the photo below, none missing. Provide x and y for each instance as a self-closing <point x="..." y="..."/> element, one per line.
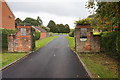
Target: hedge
<point x="110" y="42"/>
<point x="36" y="35"/>
<point x="4" y="35"/>
<point x="71" y="34"/>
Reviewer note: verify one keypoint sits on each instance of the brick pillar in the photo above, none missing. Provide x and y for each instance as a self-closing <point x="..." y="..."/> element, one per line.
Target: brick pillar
<point x="11" y="43"/>
<point x="97" y="40"/>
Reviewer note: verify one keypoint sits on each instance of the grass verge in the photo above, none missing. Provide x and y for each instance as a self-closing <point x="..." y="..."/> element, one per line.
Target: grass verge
<point x="59" y="33"/>
<point x="7" y="58"/>
<point x="71" y="41"/>
<point x="43" y="42"/>
<point x="100" y="65"/>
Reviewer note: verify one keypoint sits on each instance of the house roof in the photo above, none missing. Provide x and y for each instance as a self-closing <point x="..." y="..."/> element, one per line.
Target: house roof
<point x="39" y="29"/>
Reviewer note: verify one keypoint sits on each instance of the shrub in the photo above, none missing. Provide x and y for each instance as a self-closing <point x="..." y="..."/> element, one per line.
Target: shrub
<point x="36" y="35"/>
<point x="118" y="43"/>
<point x="4" y="35"/>
<point x="110" y="42"/>
<point x="83" y="21"/>
<point x="71" y="34"/>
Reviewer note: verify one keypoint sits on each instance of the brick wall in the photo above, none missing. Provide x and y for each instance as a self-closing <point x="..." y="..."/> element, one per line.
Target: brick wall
<point x="19" y="42"/>
<point x="43" y="35"/>
<point x="92" y="44"/>
<point x="8" y="19"/>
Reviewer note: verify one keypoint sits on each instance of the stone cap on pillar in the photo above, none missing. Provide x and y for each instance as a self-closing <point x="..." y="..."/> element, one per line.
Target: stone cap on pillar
<point x="83" y="26"/>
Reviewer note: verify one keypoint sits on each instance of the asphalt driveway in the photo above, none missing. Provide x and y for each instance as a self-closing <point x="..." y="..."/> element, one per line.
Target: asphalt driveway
<point x="55" y="60"/>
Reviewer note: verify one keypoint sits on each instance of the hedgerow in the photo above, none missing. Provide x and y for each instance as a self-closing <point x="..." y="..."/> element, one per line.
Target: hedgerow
<point x="4" y="37"/>
<point x="110" y="42"/>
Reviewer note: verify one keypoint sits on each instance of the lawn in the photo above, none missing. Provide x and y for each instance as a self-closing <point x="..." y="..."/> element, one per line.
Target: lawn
<point x="100" y="65"/>
<point x="59" y="33"/>
<point x="43" y="42"/>
<point x="7" y="58"/>
<point x="71" y="41"/>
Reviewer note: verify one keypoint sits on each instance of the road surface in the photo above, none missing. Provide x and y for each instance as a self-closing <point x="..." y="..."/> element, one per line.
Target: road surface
<point x="55" y="60"/>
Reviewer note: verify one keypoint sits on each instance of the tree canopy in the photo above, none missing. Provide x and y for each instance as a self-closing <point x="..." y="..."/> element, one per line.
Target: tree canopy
<point x="58" y="28"/>
<point x="107" y="14"/>
<point x="18" y="21"/>
<point x="31" y="21"/>
<point x="83" y="21"/>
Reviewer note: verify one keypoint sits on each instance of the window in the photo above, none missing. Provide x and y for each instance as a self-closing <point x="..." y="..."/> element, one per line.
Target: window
<point x="83" y="34"/>
<point x="23" y="31"/>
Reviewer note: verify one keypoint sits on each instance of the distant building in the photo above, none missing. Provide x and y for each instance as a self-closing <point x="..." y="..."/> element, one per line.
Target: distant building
<point x="43" y="32"/>
<point x="7" y="18"/>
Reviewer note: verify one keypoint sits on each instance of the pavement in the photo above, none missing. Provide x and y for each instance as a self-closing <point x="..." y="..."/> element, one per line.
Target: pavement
<point x="55" y="60"/>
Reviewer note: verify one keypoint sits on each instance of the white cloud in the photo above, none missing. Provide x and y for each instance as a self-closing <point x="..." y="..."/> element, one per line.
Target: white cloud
<point x="61" y="11"/>
<point x="47" y="17"/>
<point x="45" y="0"/>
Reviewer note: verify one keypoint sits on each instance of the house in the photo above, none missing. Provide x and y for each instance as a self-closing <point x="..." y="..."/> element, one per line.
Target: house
<point x="43" y="32"/>
<point x="7" y="18"/>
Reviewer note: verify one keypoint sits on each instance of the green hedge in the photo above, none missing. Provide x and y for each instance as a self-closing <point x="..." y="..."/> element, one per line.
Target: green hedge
<point x="111" y="42"/>
<point x="36" y="35"/>
<point x="4" y="35"/>
<point x="118" y="43"/>
<point x="71" y="34"/>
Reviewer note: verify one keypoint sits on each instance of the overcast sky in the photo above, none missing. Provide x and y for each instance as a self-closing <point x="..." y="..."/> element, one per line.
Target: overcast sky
<point x="61" y="11"/>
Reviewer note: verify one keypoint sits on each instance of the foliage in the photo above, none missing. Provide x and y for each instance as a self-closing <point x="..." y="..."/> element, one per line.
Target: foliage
<point x="52" y="26"/>
<point x="71" y="34"/>
<point x="18" y="21"/>
<point x="46" y="28"/>
<point x="107" y="14"/>
<point x="58" y="28"/>
<point x="5" y="33"/>
<point x="110" y="43"/>
<point x="36" y="35"/>
<point x="31" y="21"/>
<point x="83" y="21"/>
<point x="39" y="21"/>
<point x="118" y="42"/>
<point x="61" y="28"/>
<point x="43" y="42"/>
<point x="67" y="28"/>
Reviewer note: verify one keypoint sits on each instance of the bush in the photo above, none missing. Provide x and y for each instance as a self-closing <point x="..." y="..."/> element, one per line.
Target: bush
<point x="4" y="35"/>
<point x="36" y="35"/>
<point x="83" y="21"/>
<point x="71" y="34"/>
<point x="118" y="43"/>
<point x="111" y="42"/>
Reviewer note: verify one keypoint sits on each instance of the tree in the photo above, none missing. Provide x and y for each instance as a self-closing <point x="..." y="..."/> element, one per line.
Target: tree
<point x="67" y="28"/>
<point x="83" y="21"/>
<point x="52" y="26"/>
<point x="107" y="13"/>
<point x="46" y="28"/>
<point x="61" y="28"/>
<point x="31" y="21"/>
<point x="40" y="23"/>
<point x="18" y="21"/>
